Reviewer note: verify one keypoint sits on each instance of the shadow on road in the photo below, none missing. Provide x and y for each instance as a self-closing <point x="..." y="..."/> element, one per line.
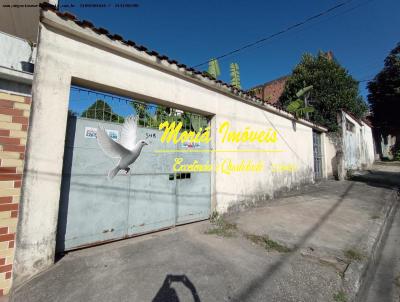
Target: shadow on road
<point x="168" y="294"/>
<point x="382" y="179"/>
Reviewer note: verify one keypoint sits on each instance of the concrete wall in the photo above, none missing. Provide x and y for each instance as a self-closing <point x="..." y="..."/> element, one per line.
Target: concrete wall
<point x="111" y="66"/>
<point x="367" y="146"/>
<point x="14" y="114"/>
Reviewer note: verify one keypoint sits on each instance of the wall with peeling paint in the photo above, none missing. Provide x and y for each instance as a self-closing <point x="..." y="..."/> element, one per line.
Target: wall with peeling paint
<point x="358" y="145"/>
<point x="355" y="141"/>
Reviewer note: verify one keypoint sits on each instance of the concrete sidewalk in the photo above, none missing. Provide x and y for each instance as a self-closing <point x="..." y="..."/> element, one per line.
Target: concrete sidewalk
<point x="298" y="248"/>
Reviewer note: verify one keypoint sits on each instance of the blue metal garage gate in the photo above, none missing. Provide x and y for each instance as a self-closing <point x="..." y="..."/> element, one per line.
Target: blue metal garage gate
<point x="150" y="197"/>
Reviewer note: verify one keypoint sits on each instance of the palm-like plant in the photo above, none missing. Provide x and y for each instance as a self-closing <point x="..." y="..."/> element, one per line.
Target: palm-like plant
<point x="235" y="75"/>
<point x="299" y="107"/>
<point x="213" y="68"/>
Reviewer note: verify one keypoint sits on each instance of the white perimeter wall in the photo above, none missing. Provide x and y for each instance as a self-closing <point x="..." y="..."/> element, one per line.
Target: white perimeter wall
<point x="63" y="59"/>
<point x="367" y="141"/>
<point x="358" y="146"/>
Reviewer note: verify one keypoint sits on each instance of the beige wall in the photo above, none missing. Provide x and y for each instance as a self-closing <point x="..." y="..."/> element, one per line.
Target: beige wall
<point x="65" y="55"/>
<point x="331" y="142"/>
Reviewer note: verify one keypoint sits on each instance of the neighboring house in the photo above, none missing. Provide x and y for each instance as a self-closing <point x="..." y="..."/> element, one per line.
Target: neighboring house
<point x="387" y="144"/>
<point x="271" y="91"/>
<point x="18" y="34"/>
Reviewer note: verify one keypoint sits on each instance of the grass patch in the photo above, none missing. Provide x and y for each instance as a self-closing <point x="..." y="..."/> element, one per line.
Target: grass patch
<point x="353" y="255"/>
<point x="222" y="227"/>
<point x="340" y="296"/>
<point x="375" y="216"/>
<point x="267" y="243"/>
<point x="214" y="216"/>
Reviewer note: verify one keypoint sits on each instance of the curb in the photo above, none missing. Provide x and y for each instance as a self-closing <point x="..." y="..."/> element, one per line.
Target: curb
<point x="357" y="273"/>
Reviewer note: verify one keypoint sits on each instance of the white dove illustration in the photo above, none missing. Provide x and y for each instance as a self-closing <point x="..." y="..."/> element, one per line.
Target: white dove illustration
<point x="128" y="150"/>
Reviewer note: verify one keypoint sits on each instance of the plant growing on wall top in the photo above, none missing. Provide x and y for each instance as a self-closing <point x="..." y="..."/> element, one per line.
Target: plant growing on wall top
<point x="299" y="107"/>
<point x="213" y="68"/>
<point x="235" y="75"/>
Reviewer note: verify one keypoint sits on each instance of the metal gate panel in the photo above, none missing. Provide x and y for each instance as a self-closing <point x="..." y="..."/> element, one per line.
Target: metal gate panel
<point x="317" y="150"/>
<point x="193" y="198"/>
<point x="151" y="197"/>
<point x="193" y="191"/>
<point x="90" y="209"/>
<point x="152" y="204"/>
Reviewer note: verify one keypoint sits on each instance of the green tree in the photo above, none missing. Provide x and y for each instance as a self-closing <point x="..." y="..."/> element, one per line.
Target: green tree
<point x="101" y="110"/>
<point x="235" y="75"/>
<point x="299" y="107"/>
<point x="384" y="94"/>
<point x="333" y="89"/>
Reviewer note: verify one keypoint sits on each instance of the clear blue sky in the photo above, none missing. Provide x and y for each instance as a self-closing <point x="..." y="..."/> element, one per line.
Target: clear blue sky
<point x="360" y="34"/>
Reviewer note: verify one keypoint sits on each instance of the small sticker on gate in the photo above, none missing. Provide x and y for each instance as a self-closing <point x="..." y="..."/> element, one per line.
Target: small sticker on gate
<point x="114" y="134"/>
<point x="91" y="132"/>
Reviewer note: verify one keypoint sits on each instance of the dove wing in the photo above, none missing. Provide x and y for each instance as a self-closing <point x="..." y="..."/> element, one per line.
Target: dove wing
<point x="110" y="147"/>
<point x="128" y="132"/>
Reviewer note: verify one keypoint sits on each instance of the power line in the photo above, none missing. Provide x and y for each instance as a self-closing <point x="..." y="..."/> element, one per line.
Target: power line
<point x="325" y="12"/>
<point x="323" y="20"/>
